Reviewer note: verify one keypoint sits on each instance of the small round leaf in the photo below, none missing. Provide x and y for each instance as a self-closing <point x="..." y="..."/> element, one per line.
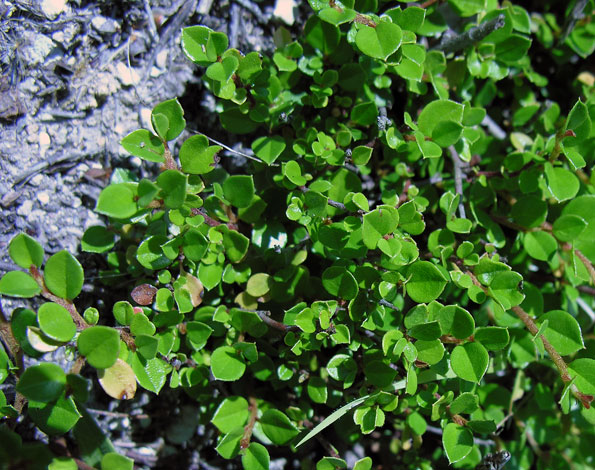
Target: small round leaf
<point x="43" y="383"/>
<point x="227" y="364"/>
<point x="56" y="322"/>
<point x="256" y="457"/>
<point x="277" y="427"/>
<point x="25" y="251"/>
<point x="457" y="442"/>
<point x="19" y="284"/>
<point x="117" y="200"/>
<point x="100" y="345"/>
<point x="63" y="275"/>
<point x="118" y="381"/>
<point x="470" y="361"/>
<point x="425" y="282"/>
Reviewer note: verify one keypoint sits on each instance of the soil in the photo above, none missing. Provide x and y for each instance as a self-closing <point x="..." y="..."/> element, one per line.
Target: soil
<point x="76" y="77"/>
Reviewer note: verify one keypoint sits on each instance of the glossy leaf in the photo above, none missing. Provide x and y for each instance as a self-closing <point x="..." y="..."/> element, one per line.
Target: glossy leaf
<point x="144" y="144"/>
<point x="277" y="427"/>
<point x="25" y="251"/>
<point x="55" y="322"/>
<point x="63" y="275"/>
<point x="457" y="441"/>
<point x="563" y="332"/>
<point x="117" y="201"/>
<point x="425" y="282"/>
<point x="469" y="361"/>
<point x="100" y="345"/>
<point x="232" y="413"/>
<point x="256" y="457"/>
<point x="227" y="364"/>
<point x="19" y="284"/>
<point x="380" y="41"/>
<point x="42" y="383"/>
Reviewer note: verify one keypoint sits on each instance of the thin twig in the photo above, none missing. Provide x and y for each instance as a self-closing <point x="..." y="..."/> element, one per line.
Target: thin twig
<point x="152" y="26"/>
<point x="471" y="37"/>
<point x="245" y="441"/>
<point x="575" y="15"/>
<point x="493" y="128"/>
<point x="330" y="202"/>
<point x="386" y="303"/>
<point x="458" y="174"/>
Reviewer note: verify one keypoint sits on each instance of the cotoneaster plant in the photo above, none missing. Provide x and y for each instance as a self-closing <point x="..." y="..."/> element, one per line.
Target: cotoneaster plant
<point x="389" y="269"/>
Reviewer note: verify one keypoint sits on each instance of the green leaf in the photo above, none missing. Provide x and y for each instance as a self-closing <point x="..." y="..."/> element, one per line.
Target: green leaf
<point x="197" y="334"/>
<point x="63" y="275"/>
<point x="256" y="457"/>
<point x="512" y="49"/>
<point x="25" y="251"/>
<point x="529" y="211"/>
<point x="342" y="368"/>
<point x="227" y="364"/>
<point x="141" y="325"/>
<point x="469" y="361"/>
<point x="426" y="331"/>
<point x="42" y="383"/>
<point x="236" y="245"/>
<point x="151" y="374"/>
<point x="229" y="445"/>
<point x="100" y="345"/>
<point x="321" y="35"/>
<point x="197" y="157"/>
<point x="493" y="338"/>
<point x="317" y="390"/>
<point x="425" y="282"/>
<point x="540" y="245"/>
<point x="55" y="322"/>
<point x="223" y="71"/>
<point x="144" y="144"/>
<point x="173" y="188"/>
<point x="364" y="114"/>
<point x="378" y="223"/>
<point x="19" y="284"/>
<point x="466" y="8"/>
<point x="98" y="239"/>
<point x="277" y="427"/>
<point x="444" y="118"/>
<point x="504" y="288"/>
<point x="579" y="122"/>
<point x="117" y="201"/>
<point x="259" y="284"/>
<point x="379" y="374"/>
<point x="340" y="283"/>
<point x="336" y="17"/>
<point x="563" y="332"/>
<point x="381" y="41"/>
<point x="568" y="227"/>
<point x="232" y="413"/>
<point x="114" y="461"/>
<point x="174" y="114"/>
<point x="456" y="321"/>
<point x="150" y="254"/>
<point x="465" y="403"/>
<point x="54" y="418"/>
<point x="202" y="45"/>
<point x="430" y="352"/>
<point x="563" y="184"/>
<point x="584" y="371"/>
<point x="239" y="190"/>
<point x="268" y="149"/>
<point x="146" y="345"/>
<point x="457" y="441"/>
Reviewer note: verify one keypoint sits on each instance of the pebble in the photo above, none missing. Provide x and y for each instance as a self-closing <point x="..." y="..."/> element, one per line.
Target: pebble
<point x="161" y="59"/>
<point x="36" y="48"/>
<point x="127" y="75"/>
<point x="105" y="25"/>
<point x="145" y="118"/>
<point x="44" y="142"/>
<point x="43" y="197"/>
<point x="52" y="8"/>
<point x="25" y="208"/>
<point x="284" y="10"/>
<point x="36" y="180"/>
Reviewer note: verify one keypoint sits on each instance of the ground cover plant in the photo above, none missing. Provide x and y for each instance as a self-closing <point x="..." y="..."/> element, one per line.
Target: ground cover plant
<point x="398" y="275"/>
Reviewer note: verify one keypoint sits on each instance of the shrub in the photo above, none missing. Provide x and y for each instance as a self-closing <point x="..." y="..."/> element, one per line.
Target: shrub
<point x="386" y="251"/>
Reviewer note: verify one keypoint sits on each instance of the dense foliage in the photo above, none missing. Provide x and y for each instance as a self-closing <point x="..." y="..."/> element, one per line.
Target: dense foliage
<point x="404" y="261"/>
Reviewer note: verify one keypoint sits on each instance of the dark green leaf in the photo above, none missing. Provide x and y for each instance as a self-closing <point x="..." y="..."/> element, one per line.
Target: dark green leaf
<point x="42" y="383"/>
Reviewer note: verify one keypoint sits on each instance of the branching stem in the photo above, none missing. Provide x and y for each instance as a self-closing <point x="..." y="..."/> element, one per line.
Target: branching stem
<point x="471" y="37"/>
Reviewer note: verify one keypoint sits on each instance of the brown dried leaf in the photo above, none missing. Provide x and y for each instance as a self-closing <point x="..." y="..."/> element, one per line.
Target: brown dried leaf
<point x="144" y="294"/>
